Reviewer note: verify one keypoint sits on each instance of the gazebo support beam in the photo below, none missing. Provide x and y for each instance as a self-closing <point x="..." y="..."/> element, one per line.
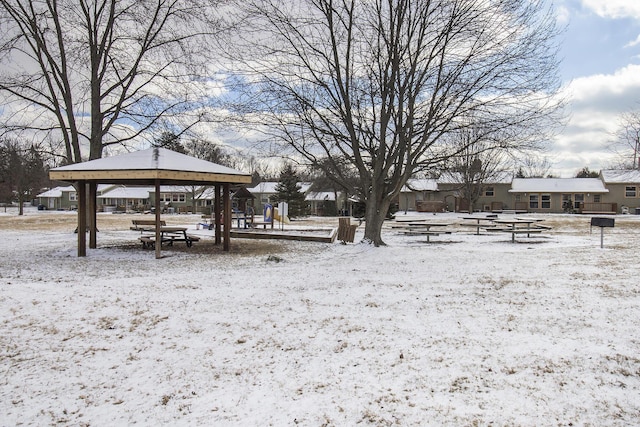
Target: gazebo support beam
<point x="216" y="213"/>
<point x="91" y="214"/>
<point x="82" y="218"/>
<point x="226" y="197"/>
<point x="158" y="211"/>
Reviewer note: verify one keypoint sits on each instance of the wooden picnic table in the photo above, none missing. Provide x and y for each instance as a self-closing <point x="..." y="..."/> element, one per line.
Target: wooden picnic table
<point x="479" y="221"/>
<point x="520" y="226"/>
<point x="168" y="235"/>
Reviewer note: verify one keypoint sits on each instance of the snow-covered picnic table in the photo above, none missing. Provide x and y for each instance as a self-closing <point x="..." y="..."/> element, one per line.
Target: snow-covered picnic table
<point x="422" y="228"/>
<point x="516" y="226"/>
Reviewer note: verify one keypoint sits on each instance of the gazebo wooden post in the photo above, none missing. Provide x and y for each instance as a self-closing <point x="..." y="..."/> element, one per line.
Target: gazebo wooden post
<point x="158" y="243"/>
<point x="227" y="216"/>
<point x="82" y="218"/>
<point x="91" y="213"/>
<point x="216" y="213"/>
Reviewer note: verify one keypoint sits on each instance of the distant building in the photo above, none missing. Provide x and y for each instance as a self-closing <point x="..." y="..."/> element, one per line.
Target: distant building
<point x="556" y="195"/>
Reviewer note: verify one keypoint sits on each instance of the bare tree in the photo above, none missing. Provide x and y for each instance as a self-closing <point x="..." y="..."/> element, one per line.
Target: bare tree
<point x="381" y="83"/>
<point x="478" y="163"/>
<point x="96" y="73"/>
<point x="533" y="167"/>
<point x="627" y="140"/>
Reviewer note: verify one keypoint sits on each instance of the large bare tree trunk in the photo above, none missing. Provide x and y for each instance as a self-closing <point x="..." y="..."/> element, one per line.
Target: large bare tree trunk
<point x="376" y="210"/>
<point x="373" y="226"/>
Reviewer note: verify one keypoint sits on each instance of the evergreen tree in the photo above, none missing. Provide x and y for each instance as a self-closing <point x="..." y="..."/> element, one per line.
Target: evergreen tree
<point x="586" y="173"/>
<point x="170" y="141"/>
<point x="22" y="173"/>
<point x="289" y="190"/>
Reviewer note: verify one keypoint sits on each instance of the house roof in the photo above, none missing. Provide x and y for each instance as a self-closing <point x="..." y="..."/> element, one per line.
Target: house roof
<point x="146" y="166"/>
<point x="56" y="191"/>
<point x="557" y="185"/>
<point x="320" y="196"/>
<point x="269" y="187"/>
<point x="457" y="178"/>
<point x="621" y="176"/>
<point x="122" y="192"/>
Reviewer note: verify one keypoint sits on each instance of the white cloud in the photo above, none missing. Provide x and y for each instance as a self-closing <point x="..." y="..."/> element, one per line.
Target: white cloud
<point x="598" y="89"/>
<point x="595" y="105"/>
<point x="563" y="15"/>
<point x="633" y="43"/>
<point x="614" y="8"/>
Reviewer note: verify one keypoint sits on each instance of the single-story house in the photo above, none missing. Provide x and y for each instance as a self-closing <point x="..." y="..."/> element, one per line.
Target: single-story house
<point x="557" y="195"/>
<point x="64" y="198"/>
<point x="123" y="198"/>
<point x="174" y="198"/>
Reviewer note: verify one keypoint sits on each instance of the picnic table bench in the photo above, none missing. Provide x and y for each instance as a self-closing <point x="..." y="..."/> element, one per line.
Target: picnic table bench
<point x="427" y="233"/>
<point x="422" y="229"/>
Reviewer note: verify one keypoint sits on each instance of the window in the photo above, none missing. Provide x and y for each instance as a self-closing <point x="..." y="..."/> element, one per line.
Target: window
<point x="489" y="192"/>
<point x="579" y="200"/>
<point x="173" y="197"/>
<point x="546" y="201"/>
<point x="533" y="201"/>
<point x="630" y="191"/>
<point x="73" y="196"/>
<point x="597" y="198"/>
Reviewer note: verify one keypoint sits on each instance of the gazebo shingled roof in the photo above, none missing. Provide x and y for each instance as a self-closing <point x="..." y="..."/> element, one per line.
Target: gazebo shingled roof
<point x="154" y="166"/>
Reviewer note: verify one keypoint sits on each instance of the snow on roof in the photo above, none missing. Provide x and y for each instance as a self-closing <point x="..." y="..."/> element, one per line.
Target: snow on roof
<point x="420" y="185"/>
<point x="321" y="196"/>
<point x="133" y="192"/>
<point x="151" y="159"/>
<point x="123" y="192"/>
<point x="264" y="187"/>
<point x="557" y="185"/>
<point x="269" y="187"/>
<point x="621" y="176"/>
<point x="456" y="178"/>
<point x="56" y="191"/>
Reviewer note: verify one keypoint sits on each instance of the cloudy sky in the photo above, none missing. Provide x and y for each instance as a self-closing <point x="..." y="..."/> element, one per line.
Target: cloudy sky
<point x="600" y="70"/>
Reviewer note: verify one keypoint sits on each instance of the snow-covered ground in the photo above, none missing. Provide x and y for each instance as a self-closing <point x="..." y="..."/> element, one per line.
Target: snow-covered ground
<point x="464" y="330"/>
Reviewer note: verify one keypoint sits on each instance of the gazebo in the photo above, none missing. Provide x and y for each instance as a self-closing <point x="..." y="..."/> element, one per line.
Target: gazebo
<point x="153" y="167"/>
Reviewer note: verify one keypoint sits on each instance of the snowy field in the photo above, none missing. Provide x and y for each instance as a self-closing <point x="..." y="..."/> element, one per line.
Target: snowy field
<point x="465" y="330"/>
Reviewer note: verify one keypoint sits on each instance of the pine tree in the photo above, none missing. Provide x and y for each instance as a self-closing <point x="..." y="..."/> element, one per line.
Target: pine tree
<point x="22" y="172"/>
<point x="288" y="190"/>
